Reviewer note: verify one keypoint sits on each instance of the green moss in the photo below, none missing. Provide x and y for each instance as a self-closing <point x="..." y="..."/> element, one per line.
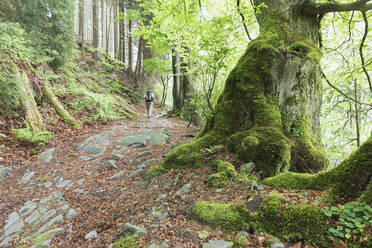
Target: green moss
<point x="267" y="147"/>
<point x="305" y="47"/>
<point x="346" y="182"/>
<point x="188" y="155"/>
<point x="131" y="242"/>
<point x="225" y="216"/>
<point x="240" y="241"/>
<point x="25" y="134"/>
<point x="292" y="223"/>
<point x="225" y="174"/>
<point x="154" y="171"/>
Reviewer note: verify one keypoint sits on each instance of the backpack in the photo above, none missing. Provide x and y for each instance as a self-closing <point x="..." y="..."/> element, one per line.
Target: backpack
<point x="148" y="97"/>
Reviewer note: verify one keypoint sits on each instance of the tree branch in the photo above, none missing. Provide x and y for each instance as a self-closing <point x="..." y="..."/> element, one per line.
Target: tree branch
<point x="361" y="49"/>
<point x="312" y="8"/>
<point x="243" y="19"/>
<point x="339" y="91"/>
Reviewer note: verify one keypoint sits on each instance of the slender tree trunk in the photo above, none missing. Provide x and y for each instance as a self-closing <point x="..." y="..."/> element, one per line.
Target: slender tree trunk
<point x="356" y="113"/>
<point x="108" y="27"/>
<point x="121" y="32"/>
<point x="81" y="26"/>
<point x="139" y="57"/>
<point x="116" y="45"/>
<point x="124" y="35"/>
<point x="268" y="112"/>
<point x="130" y="48"/>
<point x="176" y="81"/>
<point x="103" y="23"/>
<point x="95" y="23"/>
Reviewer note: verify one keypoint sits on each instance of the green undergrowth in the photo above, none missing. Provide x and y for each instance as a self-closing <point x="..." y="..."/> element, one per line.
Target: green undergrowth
<point x="289" y="223"/>
<point x="131" y="242"/>
<point x="153" y="172"/>
<point x="26" y="135"/>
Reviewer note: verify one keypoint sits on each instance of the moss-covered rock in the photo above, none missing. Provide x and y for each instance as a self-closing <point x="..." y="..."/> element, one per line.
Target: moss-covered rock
<point x="154" y="171"/>
<point x="240" y="241"/>
<point x="225" y="174"/>
<point x="131" y="242"/>
<point x="291" y="223"/>
<point x="224" y="216"/>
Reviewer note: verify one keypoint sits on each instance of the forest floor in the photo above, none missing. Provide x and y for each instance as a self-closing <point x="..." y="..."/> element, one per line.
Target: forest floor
<point x="80" y="189"/>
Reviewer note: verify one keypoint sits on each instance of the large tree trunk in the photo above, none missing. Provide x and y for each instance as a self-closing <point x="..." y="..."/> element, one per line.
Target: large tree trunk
<point x="269" y="110"/>
<point x="176" y="81"/>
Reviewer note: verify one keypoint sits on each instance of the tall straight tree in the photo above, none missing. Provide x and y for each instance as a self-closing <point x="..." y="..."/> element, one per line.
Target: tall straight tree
<point x="95" y="23"/>
<point x="81" y="26"/>
<point x="116" y="45"/>
<point x="268" y="112"/>
<point x="122" y="32"/>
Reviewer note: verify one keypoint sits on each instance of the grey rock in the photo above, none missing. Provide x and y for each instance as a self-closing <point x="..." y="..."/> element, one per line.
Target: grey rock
<point x="162" y="245"/>
<point x="71" y="214"/>
<point x="218" y="244"/>
<point x="65" y="206"/>
<point x="91" y="235"/>
<point x="80" y="191"/>
<point x="62" y="183"/>
<point x="48" y="184"/>
<point x="116" y="156"/>
<point x="277" y="245"/>
<point x="137" y="172"/>
<point x="14" y="227"/>
<point x="110" y="164"/>
<point x="33" y="217"/>
<point x="110" y="133"/>
<point x="161" y="197"/>
<point x="4" y="171"/>
<point x="144" y="153"/>
<point x="27" y="177"/>
<point x="95" y="145"/>
<point x="27" y="208"/>
<point x="50" y="223"/>
<point x="80" y="181"/>
<point x="243" y="233"/>
<point x="47" y="236"/>
<point x="247" y="168"/>
<point x="86" y="158"/>
<point x="184" y="188"/>
<point x="144" y="138"/>
<point x="118" y="175"/>
<point x="46" y="216"/>
<point x="256" y="186"/>
<point x="47" y="155"/>
<point x="129" y="230"/>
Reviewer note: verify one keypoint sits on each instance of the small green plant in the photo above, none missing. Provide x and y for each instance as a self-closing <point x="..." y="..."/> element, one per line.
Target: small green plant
<point x="214" y="149"/>
<point x="349" y="220"/>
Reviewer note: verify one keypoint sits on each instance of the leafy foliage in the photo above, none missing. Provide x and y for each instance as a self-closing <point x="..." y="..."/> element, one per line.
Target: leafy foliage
<point x="348" y="221"/>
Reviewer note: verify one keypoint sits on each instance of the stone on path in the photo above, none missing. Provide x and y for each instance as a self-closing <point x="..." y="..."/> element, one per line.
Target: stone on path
<point x="27" y="177"/>
<point x="110" y="164"/>
<point x="118" y="175"/>
<point x="162" y="245"/>
<point x="277" y="245"/>
<point x="129" y="230"/>
<point x="184" y="188"/>
<point x="95" y="145"/>
<point x="91" y="235"/>
<point x="71" y="214"/>
<point x="47" y="155"/>
<point x="218" y="244"/>
<point x="144" y="138"/>
<point x="4" y="171"/>
<point x="144" y="153"/>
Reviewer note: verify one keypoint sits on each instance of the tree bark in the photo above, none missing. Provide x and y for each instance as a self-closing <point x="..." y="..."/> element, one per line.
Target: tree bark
<point x="268" y="112"/>
<point x="176" y="81"/>
<point x="130" y="48"/>
<point x="81" y="26"/>
<point x="121" y="32"/>
<point x="95" y="23"/>
<point x="116" y="47"/>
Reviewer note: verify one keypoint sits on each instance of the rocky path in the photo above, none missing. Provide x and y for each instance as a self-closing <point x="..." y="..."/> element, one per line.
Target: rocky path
<point x="80" y="194"/>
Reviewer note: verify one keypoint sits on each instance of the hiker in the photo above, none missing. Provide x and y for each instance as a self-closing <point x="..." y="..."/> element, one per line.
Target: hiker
<point x="149" y="101"/>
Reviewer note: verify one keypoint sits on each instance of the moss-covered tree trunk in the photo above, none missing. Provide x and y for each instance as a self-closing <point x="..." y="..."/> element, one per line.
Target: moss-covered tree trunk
<point x="269" y="110"/>
<point x="32" y="113"/>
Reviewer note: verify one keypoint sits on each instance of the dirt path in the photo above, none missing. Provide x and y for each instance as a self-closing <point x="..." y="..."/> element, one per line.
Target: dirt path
<point x="91" y="185"/>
